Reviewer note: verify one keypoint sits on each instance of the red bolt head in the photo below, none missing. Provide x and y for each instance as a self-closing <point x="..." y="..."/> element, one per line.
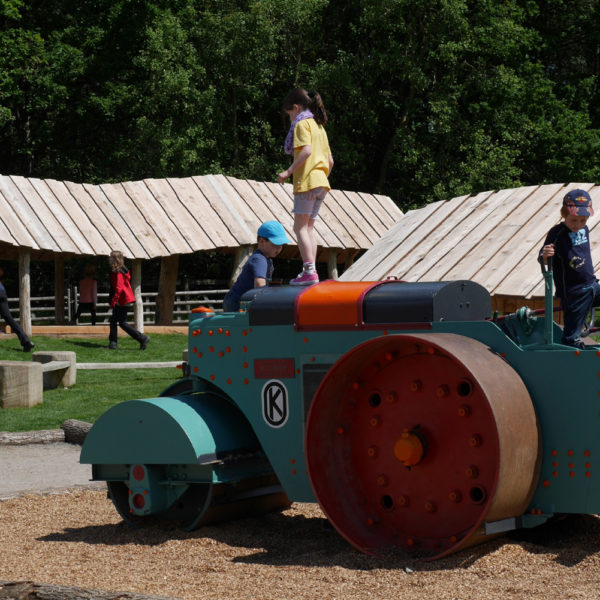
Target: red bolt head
<point x="442" y="391"/>
<point x="416" y="385"/>
<point x="455" y="496"/>
<point x="475" y="440"/>
<point x="464" y="410"/>
<point x="472" y="472"/>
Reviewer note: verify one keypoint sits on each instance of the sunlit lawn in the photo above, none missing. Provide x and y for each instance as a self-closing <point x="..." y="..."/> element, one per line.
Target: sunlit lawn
<point x="95" y="390"/>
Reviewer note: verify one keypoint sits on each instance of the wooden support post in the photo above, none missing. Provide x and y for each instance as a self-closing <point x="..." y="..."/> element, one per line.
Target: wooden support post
<point x="350" y="259"/>
<point x="59" y="289"/>
<point x="136" y="286"/>
<point x="25" y="290"/>
<point x="167" y="285"/>
<point x="332" y="269"/>
<point x="242" y="254"/>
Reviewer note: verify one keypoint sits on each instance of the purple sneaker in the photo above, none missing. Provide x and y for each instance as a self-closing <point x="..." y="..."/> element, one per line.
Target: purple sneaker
<point x="305" y="279"/>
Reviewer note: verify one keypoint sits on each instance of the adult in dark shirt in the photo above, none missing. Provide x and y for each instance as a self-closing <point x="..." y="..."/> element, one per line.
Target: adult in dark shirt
<point x="26" y="343"/>
<point x="568" y="244"/>
<point x="258" y="270"/>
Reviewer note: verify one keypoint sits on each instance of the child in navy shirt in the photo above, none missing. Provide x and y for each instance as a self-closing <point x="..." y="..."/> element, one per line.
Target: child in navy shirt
<point x="568" y="244"/>
<point x="258" y="270"/>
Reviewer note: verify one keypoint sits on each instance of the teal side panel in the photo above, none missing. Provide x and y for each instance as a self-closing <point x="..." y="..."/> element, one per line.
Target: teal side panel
<point x="564" y="386"/>
<point x="180" y="430"/>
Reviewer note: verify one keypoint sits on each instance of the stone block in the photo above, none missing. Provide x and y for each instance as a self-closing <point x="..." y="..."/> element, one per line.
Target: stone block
<point x="20" y="383"/>
<point x="59" y="376"/>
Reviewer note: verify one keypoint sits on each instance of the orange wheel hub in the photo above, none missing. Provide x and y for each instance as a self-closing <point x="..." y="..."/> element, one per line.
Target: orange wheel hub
<point x="408" y="449"/>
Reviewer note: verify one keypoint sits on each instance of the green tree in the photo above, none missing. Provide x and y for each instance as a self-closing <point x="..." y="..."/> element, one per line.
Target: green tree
<point x="427" y="99"/>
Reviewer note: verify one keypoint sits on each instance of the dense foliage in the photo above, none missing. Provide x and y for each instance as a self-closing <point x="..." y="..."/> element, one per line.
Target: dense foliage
<point x="427" y="99"/>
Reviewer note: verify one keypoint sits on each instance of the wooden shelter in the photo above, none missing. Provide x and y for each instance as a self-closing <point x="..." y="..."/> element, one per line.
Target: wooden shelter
<point x="492" y="238"/>
<point x="45" y="219"/>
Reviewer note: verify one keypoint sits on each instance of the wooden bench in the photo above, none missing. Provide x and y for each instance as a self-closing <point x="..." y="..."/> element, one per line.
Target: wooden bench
<point x="22" y="383"/>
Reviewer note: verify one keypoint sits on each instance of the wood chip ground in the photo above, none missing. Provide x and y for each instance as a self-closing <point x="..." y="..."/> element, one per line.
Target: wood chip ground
<point x="77" y="539"/>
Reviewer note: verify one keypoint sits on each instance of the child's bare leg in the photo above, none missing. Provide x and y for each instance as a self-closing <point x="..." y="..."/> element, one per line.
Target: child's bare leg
<point x="313" y="240"/>
<point x="305" y="237"/>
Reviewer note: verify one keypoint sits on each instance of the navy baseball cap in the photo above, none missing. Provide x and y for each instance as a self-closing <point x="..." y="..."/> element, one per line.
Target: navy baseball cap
<point x="578" y="202"/>
<point x="274" y="232"/>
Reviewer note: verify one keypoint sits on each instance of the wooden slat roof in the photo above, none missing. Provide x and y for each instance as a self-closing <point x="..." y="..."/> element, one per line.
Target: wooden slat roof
<point x="161" y="217"/>
<point x="492" y="238"/>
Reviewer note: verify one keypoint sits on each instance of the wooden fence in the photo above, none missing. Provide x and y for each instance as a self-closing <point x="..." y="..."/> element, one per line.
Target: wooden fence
<point x="43" y="310"/>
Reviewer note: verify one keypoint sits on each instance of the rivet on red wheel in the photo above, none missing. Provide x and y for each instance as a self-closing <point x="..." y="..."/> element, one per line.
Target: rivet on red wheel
<point x="442" y="391"/>
<point x="372" y="452"/>
<point x="475" y="440"/>
<point x="416" y="385"/>
<point x="472" y="472"/>
<point x="464" y="410"/>
<point x="455" y="496"/>
<point x="444" y="473"/>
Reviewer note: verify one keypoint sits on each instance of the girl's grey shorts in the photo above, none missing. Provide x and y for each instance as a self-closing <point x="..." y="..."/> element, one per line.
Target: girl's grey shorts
<point x="309" y="203"/>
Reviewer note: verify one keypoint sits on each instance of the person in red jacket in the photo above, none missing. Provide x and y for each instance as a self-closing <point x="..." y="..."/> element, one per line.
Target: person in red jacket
<point x="121" y="296"/>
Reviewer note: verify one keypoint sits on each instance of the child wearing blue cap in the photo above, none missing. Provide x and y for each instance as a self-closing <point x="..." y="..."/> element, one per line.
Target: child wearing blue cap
<point x="568" y="244"/>
<point x="258" y="270"/>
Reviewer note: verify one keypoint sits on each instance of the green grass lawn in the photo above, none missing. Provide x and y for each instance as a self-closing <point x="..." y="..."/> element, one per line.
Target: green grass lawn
<point x="95" y="390"/>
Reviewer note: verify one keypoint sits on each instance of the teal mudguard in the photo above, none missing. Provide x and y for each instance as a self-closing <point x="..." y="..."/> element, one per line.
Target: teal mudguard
<point x="192" y="429"/>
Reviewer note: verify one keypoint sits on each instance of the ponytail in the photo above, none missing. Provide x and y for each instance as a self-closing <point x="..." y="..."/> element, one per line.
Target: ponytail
<point x="316" y="107"/>
<point x="308" y="100"/>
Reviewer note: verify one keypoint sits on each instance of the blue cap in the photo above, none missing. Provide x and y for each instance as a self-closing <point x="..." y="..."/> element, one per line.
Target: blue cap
<point x="579" y="203"/>
<point x="274" y="232"/>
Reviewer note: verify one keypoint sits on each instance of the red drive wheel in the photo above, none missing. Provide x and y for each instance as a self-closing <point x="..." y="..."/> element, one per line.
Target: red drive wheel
<point x="413" y="441"/>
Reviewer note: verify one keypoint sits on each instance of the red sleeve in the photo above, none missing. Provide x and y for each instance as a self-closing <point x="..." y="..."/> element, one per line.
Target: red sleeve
<point x="117" y="284"/>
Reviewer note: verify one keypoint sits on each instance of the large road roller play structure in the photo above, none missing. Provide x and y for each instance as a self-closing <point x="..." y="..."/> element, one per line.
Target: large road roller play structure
<point x="415" y="418"/>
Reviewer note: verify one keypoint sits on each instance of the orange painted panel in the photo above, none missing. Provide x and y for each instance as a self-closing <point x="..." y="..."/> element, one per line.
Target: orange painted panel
<point x="331" y="304"/>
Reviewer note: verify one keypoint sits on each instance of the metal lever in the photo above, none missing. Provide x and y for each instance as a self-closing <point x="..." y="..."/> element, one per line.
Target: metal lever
<point x="548" y="300"/>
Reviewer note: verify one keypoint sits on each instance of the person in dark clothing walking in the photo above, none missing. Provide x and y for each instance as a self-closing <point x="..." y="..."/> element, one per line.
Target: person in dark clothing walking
<point x="121" y="296"/>
<point x="26" y="343"/>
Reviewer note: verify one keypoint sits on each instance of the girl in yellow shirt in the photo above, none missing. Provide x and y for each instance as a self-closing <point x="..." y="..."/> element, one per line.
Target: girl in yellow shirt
<point x="307" y="142"/>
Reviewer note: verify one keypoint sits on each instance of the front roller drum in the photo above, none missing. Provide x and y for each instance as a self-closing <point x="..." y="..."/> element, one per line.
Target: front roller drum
<point x="190" y="458"/>
<point x="415" y="441"/>
<point x="200" y="504"/>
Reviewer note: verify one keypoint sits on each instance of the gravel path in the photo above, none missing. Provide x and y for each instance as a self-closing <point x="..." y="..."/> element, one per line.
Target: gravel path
<point x="77" y="539"/>
<point x="42" y="468"/>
